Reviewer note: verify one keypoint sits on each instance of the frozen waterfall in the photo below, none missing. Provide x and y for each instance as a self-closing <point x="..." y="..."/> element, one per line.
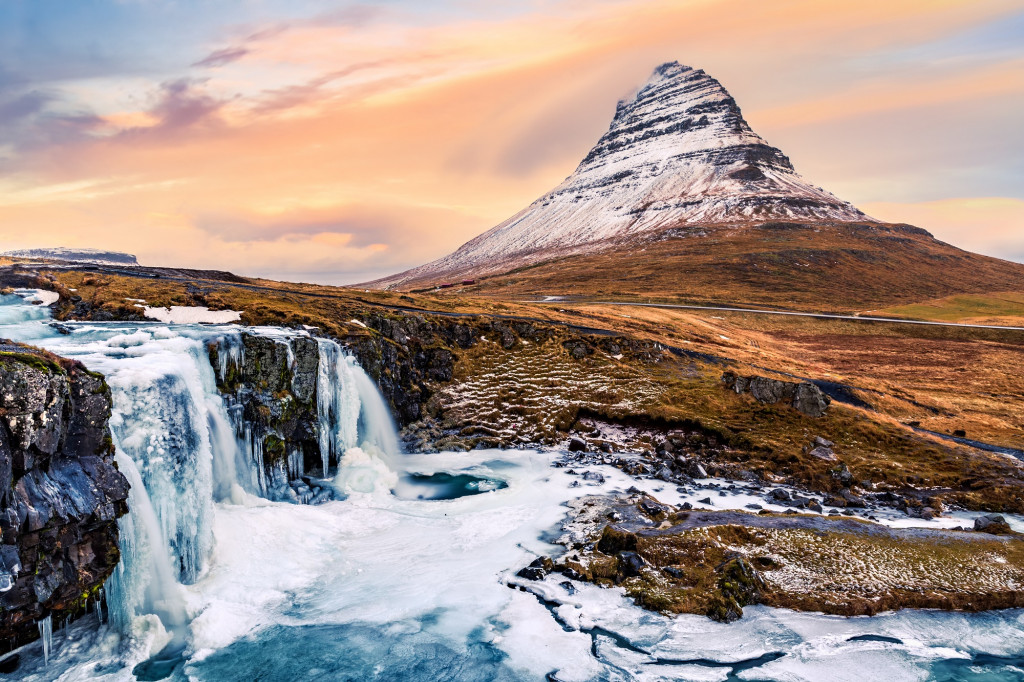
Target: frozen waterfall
<point x="183" y="447"/>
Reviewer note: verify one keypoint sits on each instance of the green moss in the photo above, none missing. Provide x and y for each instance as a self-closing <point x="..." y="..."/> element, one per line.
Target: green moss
<point x="35" y="361"/>
<point x="274" y="449"/>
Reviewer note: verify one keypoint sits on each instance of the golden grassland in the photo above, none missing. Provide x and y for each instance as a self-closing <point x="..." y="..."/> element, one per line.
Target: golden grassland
<point x="943" y="379"/>
<point x="1001" y="308"/>
<point x="810" y="267"/>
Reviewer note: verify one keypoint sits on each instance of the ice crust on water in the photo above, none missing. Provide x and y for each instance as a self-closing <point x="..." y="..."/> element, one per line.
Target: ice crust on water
<point x="405" y="584"/>
<point x="42" y="297"/>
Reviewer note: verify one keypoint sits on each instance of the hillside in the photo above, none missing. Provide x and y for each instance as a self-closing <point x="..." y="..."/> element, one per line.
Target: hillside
<point x="831" y="267"/>
<point x="682" y="201"/>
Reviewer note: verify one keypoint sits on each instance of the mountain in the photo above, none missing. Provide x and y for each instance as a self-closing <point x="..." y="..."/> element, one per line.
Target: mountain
<point x="678" y="152"/>
<point x="76" y="255"/>
<point x="681" y="198"/>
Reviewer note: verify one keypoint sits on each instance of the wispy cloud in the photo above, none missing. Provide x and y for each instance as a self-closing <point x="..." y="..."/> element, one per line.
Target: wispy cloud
<point x="376" y="137"/>
<point x="222" y="57"/>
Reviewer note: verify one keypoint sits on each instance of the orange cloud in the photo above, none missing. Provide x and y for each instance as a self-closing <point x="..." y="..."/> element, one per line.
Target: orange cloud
<point x="334" y="149"/>
<point x="989" y="225"/>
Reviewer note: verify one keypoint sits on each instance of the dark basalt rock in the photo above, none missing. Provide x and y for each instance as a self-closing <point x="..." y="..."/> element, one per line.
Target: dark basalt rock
<point x="60" y="491"/>
<point x="804" y="396"/>
<point x="274" y="390"/>
<point x="538" y="569"/>
<point x="631" y="564"/>
<point x="992" y="523"/>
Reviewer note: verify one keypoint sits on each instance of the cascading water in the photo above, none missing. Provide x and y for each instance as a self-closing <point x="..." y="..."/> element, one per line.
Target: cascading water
<point x="183" y="448"/>
<point x="338" y="403"/>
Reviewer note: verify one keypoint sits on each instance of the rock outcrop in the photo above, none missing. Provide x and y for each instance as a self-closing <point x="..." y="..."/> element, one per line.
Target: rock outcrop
<point x="803" y="396"/>
<point x="60" y="491"/>
<point x="271" y="391"/>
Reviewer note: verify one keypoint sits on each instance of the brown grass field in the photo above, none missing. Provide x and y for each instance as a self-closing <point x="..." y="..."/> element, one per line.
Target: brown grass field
<point x="942" y="379"/>
<point x="809" y="267"/>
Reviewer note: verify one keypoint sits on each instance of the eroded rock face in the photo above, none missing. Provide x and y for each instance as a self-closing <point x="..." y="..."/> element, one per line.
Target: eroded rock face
<point x="804" y="396"/>
<point x="60" y="491"/>
<point x="273" y="393"/>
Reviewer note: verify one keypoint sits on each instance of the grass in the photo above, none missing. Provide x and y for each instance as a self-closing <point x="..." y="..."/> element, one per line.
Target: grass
<point x="944" y="379"/>
<point x="812" y="267"/>
<point x="1005" y="308"/>
<point x="848" y="567"/>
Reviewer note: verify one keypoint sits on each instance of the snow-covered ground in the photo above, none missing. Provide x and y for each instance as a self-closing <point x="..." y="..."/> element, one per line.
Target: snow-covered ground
<point x="38" y="296"/>
<point x="180" y="314"/>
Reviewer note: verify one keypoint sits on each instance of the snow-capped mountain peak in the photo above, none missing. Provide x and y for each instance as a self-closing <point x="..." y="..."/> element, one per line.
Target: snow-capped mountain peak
<point x="677" y="153"/>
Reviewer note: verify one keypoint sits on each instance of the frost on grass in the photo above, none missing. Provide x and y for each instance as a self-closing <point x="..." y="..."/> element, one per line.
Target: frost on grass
<point x="535" y="393"/>
<point x="716" y="562"/>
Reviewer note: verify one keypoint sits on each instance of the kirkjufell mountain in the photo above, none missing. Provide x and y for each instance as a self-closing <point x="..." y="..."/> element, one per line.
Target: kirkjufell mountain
<point x="681" y="196"/>
<point x="678" y="152"/>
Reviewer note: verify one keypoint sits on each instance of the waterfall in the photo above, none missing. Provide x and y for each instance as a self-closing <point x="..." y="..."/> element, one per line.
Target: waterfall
<point x="184" y="447"/>
<point x="376" y="426"/>
<point x="338" y="403"/>
<point x="144" y="580"/>
<point x="162" y="423"/>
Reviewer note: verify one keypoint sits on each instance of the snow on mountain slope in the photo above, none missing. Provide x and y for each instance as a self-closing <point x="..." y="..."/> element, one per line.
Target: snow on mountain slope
<point x="79" y="255"/>
<point x="678" y="153"/>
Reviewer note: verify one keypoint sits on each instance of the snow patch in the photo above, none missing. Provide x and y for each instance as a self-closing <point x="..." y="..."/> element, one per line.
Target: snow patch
<point x="180" y="314"/>
<point x="40" y="296"/>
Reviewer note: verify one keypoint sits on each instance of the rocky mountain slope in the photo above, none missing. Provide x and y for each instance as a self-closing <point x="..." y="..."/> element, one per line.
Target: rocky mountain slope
<point x="60" y="492"/>
<point x="679" y="152"/>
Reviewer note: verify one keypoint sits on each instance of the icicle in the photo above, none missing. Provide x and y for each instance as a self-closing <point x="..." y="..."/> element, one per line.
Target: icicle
<point x="326" y="389"/>
<point x="230" y="354"/>
<point x="295" y="464"/>
<point x="46" y="635"/>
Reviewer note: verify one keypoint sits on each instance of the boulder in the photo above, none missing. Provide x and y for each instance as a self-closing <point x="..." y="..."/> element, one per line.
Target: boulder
<point x="803" y="396"/>
<point x="810" y="400"/>
<point x="631" y="564"/>
<point x="822" y="452"/>
<point x="992" y="523"/>
<point x="852" y="500"/>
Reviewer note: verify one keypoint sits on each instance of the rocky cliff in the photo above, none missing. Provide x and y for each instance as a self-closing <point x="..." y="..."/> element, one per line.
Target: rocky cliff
<point x="270" y="384"/>
<point x="60" y="491"/>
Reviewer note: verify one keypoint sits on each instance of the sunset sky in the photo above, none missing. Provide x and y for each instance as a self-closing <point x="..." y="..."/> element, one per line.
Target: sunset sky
<point x="336" y="142"/>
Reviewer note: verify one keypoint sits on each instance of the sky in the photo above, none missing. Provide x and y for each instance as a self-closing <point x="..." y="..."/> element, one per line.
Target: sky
<point x="336" y="142"/>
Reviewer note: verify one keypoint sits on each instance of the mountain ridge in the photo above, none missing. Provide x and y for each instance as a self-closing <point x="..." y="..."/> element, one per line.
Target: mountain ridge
<point x="80" y="255"/>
